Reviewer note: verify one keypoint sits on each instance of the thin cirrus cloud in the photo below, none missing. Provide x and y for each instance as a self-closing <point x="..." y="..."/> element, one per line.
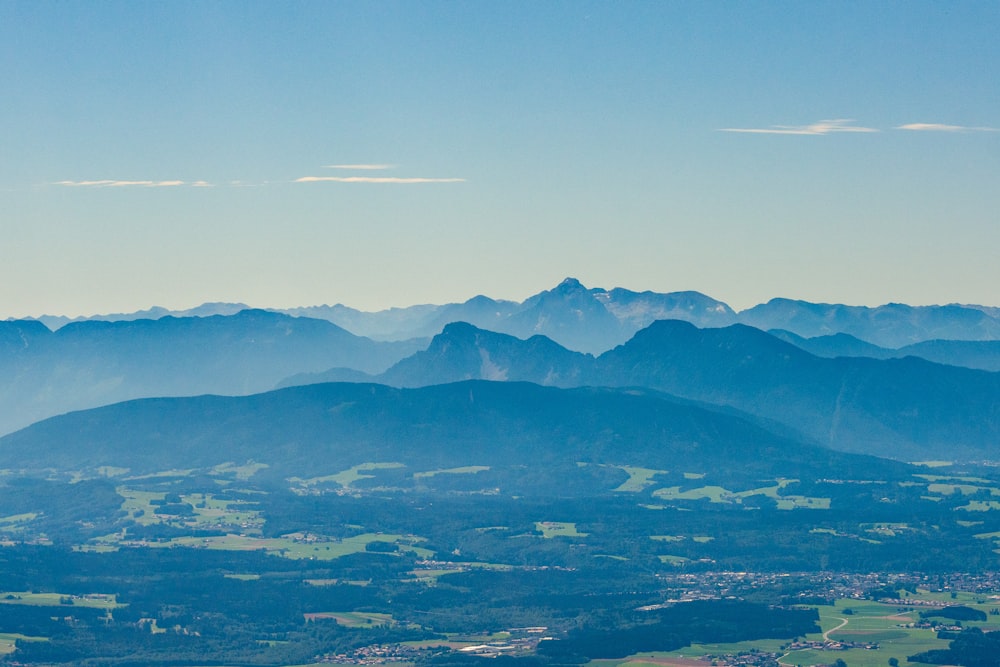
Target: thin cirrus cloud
<point x="819" y="128"/>
<point x="942" y="127"/>
<point x="360" y="167"/>
<point x="111" y="183"/>
<point x="372" y="179"/>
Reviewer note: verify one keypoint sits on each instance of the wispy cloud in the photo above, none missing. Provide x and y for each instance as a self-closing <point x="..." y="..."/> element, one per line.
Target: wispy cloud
<point x="109" y="183"/>
<point x="941" y="127"/>
<point x="360" y="167"/>
<point x="818" y="128"/>
<point x="374" y="179"/>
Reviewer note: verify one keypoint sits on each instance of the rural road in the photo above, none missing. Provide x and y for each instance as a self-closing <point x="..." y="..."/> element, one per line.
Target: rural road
<point x="826" y="635"/>
<point x="826" y="638"/>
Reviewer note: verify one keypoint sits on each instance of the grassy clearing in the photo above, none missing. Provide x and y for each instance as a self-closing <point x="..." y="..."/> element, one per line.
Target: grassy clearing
<point x="980" y="506"/>
<point x="344" y="478"/>
<point x="550" y="529"/>
<point x="353" y="619"/>
<point x="639" y="479"/>
<point x="111" y="471"/>
<point x="240" y="472"/>
<point x="299" y="545"/>
<point x="8" y="641"/>
<point x="211" y="512"/>
<point x="667" y="559"/>
<point x="164" y="474"/>
<point x="334" y="582"/>
<point x="463" y="470"/>
<point x="93" y="600"/>
<point x="715" y="494"/>
<point x="866" y="622"/>
<point x="100" y="548"/>
<point x="965" y="489"/>
<point x="137" y="504"/>
<point x="718" y="494"/>
<point x="430" y="576"/>
<point x="803" y="502"/>
<point x="16" y="522"/>
<point x="956" y="478"/>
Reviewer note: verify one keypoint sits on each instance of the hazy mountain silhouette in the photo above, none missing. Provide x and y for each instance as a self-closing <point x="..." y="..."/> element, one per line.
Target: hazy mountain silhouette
<point x="91" y="363"/>
<point x="893" y="325"/>
<point x="540" y="433"/>
<point x="980" y="354"/>
<point x="905" y="408"/>
<point x="595" y="319"/>
<point x="54" y="322"/>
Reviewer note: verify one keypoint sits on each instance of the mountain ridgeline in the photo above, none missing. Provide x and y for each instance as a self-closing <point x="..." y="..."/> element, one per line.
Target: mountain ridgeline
<point x="824" y="373"/>
<point x="523" y="437"/>
<point x="92" y="363"/>
<point x="905" y="408"/>
<point x="596" y="319"/>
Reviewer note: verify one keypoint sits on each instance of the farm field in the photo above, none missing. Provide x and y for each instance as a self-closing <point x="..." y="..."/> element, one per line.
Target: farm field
<point x="8" y="641"/>
<point x="298" y="546"/>
<point x="353" y="619"/>
<point x="722" y="495"/>
<point x="552" y="529"/>
<point x="847" y="621"/>
<point x="93" y="601"/>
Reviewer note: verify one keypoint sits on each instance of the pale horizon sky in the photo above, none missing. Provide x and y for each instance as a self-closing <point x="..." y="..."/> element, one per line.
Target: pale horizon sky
<point x="385" y="154"/>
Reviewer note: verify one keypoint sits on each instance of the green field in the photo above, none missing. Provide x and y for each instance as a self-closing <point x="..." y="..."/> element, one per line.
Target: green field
<point x="719" y="494"/>
<point x="463" y="470"/>
<point x="865" y="621"/>
<point x="93" y="601"/>
<point x="240" y="472"/>
<point x="551" y="529"/>
<point x="298" y="546"/>
<point x="638" y="479"/>
<point x="345" y="478"/>
<point x="8" y="641"/>
<point x="354" y="619"/>
<point x="208" y="512"/>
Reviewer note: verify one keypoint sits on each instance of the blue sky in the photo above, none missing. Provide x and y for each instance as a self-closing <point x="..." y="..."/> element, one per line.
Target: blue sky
<point x="392" y="153"/>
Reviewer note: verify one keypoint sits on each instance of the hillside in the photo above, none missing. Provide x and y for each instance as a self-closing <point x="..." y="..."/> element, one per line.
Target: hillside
<point x="907" y="408"/>
<point x="92" y="363"/>
<point x="533" y="437"/>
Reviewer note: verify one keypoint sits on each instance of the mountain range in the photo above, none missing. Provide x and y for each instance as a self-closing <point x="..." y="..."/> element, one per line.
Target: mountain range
<point x="92" y="363"/>
<point x="596" y="319"/>
<point x="981" y="354"/>
<point x="836" y="390"/>
<point x="905" y="408"/>
<point x="515" y="435"/>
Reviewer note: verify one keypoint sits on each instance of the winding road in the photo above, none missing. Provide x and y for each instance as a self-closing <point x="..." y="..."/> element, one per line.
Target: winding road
<point x="826" y="635"/>
<point x="826" y="638"/>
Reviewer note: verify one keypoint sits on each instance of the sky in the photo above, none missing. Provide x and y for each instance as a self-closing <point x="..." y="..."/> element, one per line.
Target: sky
<point x="384" y="154"/>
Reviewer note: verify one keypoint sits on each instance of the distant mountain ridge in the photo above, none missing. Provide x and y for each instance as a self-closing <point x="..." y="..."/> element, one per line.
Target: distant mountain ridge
<point x="980" y="354"/>
<point x="525" y="434"/>
<point x="905" y="408"/>
<point x="91" y="363"/>
<point x="595" y="320"/>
